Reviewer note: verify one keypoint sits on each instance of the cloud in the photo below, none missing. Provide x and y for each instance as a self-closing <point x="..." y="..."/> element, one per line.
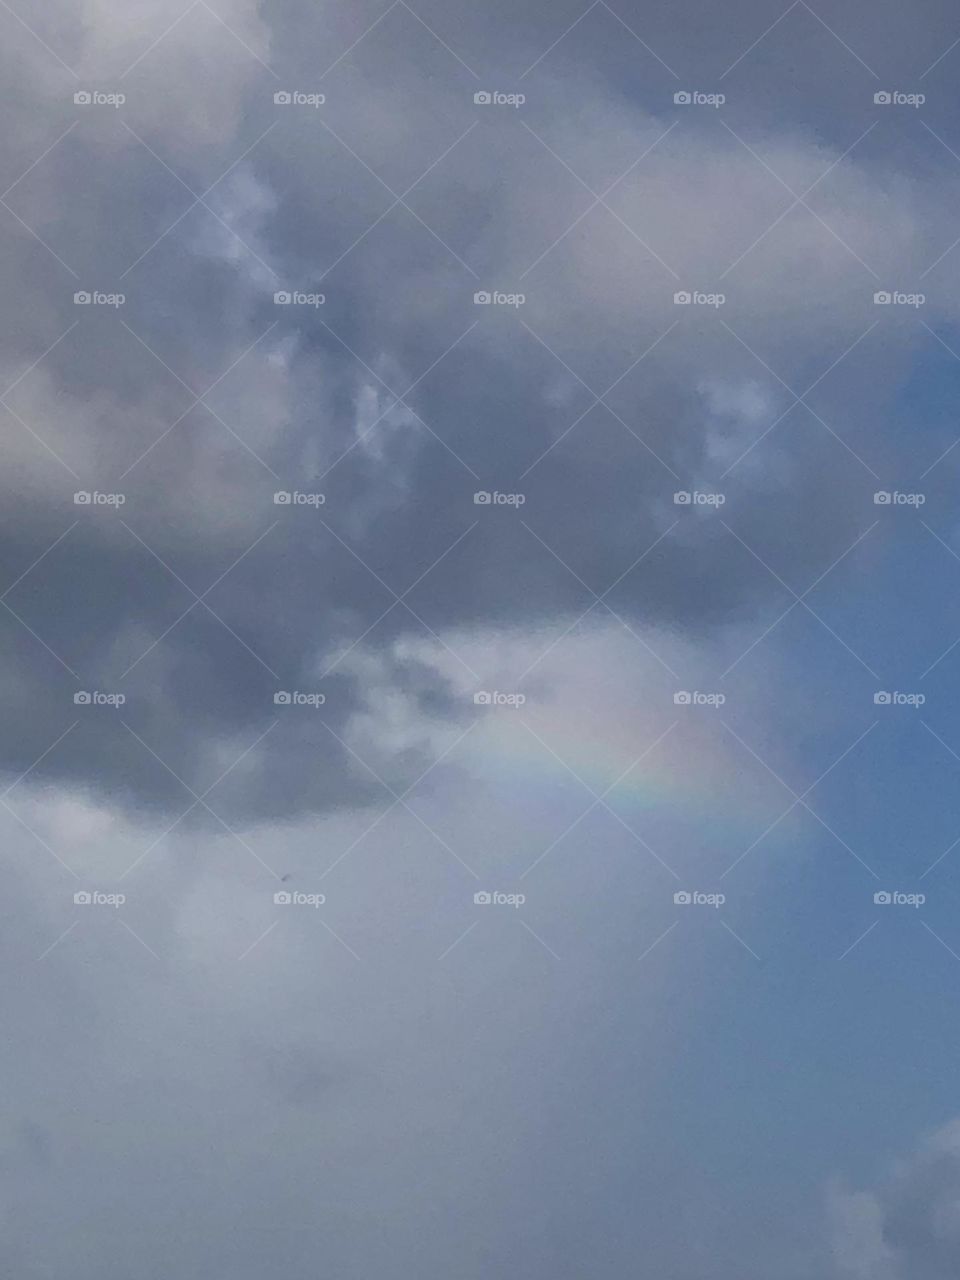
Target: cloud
<point x="199" y="398"/>
<point x="233" y="1038"/>
<point x="406" y="1081"/>
<point x="909" y="1226"/>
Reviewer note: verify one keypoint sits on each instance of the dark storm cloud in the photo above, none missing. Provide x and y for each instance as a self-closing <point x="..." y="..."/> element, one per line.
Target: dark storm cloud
<point x="199" y="397"/>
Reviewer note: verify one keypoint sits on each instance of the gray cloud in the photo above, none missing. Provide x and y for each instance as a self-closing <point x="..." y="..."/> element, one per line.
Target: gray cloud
<point x="306" y="398"/>
<point x="201" y="1075"/>
<point x="908" y="1226"/>
<point x="402" y="1085"/>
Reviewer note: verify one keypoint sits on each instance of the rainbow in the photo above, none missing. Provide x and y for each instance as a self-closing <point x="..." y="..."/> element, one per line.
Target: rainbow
<point x="704" y="776"/>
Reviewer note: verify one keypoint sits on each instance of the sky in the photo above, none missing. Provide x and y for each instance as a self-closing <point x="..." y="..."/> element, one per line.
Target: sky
<point x="480" y="615"/>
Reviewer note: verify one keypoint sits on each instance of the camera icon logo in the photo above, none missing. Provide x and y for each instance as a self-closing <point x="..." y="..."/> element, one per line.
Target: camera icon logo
<point x="482" y="99"/>
<point x="682" y="898"/>
<point x="81" y="498"/>
<point x="282" y="98"/>
<point x="482" y="899"/>
<point x="282" y="498"/>
<point x="882" y="99"/>
<point x="882" y="899"/>
<point x="682" y="698"/>
<point x="482" y="699"/>
<point x="482" y="298"/>
<point x="482" y="498"/>
<point x="882" y="699"/>
<point x="282" y="898"/>
<point x="82" y="98"/>
<point x="82" y="298"/>
<point x="281" y="698"/>
<point x="682" y="498"/>
<point x="882" y="298"/>
<point x="682" y="298"/>
<point x="882" y="498"/>
<point x="82" y="699"/>
<point x="682" y="99"/>
<point x="282" y="298"/>
<point x="82" y="898"/>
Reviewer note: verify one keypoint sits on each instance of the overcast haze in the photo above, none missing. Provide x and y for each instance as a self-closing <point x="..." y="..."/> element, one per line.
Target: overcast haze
<point x="480" y="708"/>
